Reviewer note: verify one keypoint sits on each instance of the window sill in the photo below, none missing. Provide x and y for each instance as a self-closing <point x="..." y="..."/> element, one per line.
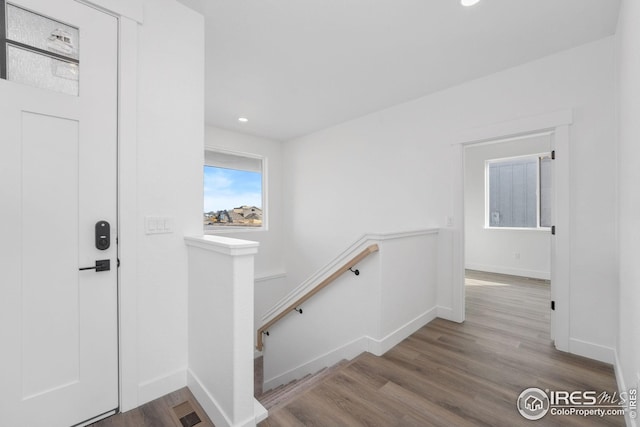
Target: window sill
<point x="230" y="230"/>
<point x="540" y="229"/>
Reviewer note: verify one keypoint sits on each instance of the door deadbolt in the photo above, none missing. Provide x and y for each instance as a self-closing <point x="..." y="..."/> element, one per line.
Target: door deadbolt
<point x="103" y="235"/>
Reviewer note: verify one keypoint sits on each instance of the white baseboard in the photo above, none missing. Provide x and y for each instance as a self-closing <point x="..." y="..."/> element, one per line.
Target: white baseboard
<point x="445" y="313"/>
<point x="617" y="369"/>
<point x="206" y="400"/>
<point x="381" y="346"/>
<point x="592" y="351"/>
<point x="622" y="387"/>
<point x="213" y="409"/>
<point x="534" y="274"/>
<point x="160" y="386"/>
<point x="259" y="411"/>
<point x="353" y="349"/>
<point x="347" y="351"/>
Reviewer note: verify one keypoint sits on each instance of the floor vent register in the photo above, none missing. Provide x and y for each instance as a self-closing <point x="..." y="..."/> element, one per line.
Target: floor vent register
<point x="186" y="414"/>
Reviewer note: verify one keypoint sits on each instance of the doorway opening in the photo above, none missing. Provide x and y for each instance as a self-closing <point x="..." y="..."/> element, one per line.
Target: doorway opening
<point x="508" y="195"/>
<point x="558" y="124"/>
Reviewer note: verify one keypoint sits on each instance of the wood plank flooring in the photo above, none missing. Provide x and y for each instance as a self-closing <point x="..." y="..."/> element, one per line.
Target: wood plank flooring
<point x="158" y="413"/>
<point x="449" y="374"/>
<point x="445" y="374"/>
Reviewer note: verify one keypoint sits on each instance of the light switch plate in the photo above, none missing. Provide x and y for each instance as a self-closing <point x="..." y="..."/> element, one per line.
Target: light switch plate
<point x="155" y="224"/>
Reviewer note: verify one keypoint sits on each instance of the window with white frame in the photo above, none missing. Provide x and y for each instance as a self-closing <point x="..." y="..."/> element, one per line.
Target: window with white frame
<point x="233" y="191"/>
<point x="518" y="192"/>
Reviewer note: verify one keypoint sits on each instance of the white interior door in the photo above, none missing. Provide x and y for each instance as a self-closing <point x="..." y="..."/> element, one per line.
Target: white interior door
<point x="58" y="165"/>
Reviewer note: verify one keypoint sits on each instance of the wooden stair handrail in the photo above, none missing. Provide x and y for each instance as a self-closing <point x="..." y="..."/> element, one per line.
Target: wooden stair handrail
<point x="362" y="255"/>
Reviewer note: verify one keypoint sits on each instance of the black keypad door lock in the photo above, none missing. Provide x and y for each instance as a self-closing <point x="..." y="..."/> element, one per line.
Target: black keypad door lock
<point x="103" y="235"/>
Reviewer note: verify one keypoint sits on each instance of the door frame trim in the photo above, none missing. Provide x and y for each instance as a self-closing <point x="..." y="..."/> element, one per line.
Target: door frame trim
<point x="128" y="211"/>
<point x="130" y="16"/>
<point x="557" y="122"/>
<point x="130" y="9"/>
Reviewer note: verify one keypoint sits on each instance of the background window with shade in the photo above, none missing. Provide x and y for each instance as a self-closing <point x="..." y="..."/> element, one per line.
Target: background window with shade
<point x="519" y="192"/>
<point x="233" y="192"/>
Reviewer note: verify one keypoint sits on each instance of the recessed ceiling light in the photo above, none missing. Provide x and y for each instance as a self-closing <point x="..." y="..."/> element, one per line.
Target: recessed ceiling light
<point x="243" y="119"/>
<point x="468" y="3"/>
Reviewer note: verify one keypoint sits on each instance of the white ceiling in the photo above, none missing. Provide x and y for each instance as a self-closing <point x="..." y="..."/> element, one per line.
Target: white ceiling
<point x="297" y="66"/>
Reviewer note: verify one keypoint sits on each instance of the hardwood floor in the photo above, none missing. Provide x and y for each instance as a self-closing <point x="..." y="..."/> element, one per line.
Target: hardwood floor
<point x="163" y="412"/>
<point x="449" y="374"/>
<point x="445" y="374"/>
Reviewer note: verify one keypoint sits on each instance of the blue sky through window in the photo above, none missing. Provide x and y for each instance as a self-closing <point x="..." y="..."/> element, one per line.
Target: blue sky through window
<point x="225" y="189"/>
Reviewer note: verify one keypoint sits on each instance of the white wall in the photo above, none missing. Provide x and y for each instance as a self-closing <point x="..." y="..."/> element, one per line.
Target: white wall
<point x="271" y="284"/>
<point x="629" y="207"/>
<point x="269" y="260"/>
<point x="395" y="169"/>
<point x="169" y="183"/>
<point x="519" y="252"/>
<point x="394" y="295"/>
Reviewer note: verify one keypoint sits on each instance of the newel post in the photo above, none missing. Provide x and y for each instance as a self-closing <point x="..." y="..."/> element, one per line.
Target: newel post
<point x="220" y="315"/>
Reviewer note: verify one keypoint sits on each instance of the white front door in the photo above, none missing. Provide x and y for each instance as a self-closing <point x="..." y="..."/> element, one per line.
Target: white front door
<point x="58" y="179"/>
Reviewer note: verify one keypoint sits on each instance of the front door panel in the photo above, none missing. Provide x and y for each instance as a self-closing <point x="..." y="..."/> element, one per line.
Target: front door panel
<point x="58" y="324"/>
